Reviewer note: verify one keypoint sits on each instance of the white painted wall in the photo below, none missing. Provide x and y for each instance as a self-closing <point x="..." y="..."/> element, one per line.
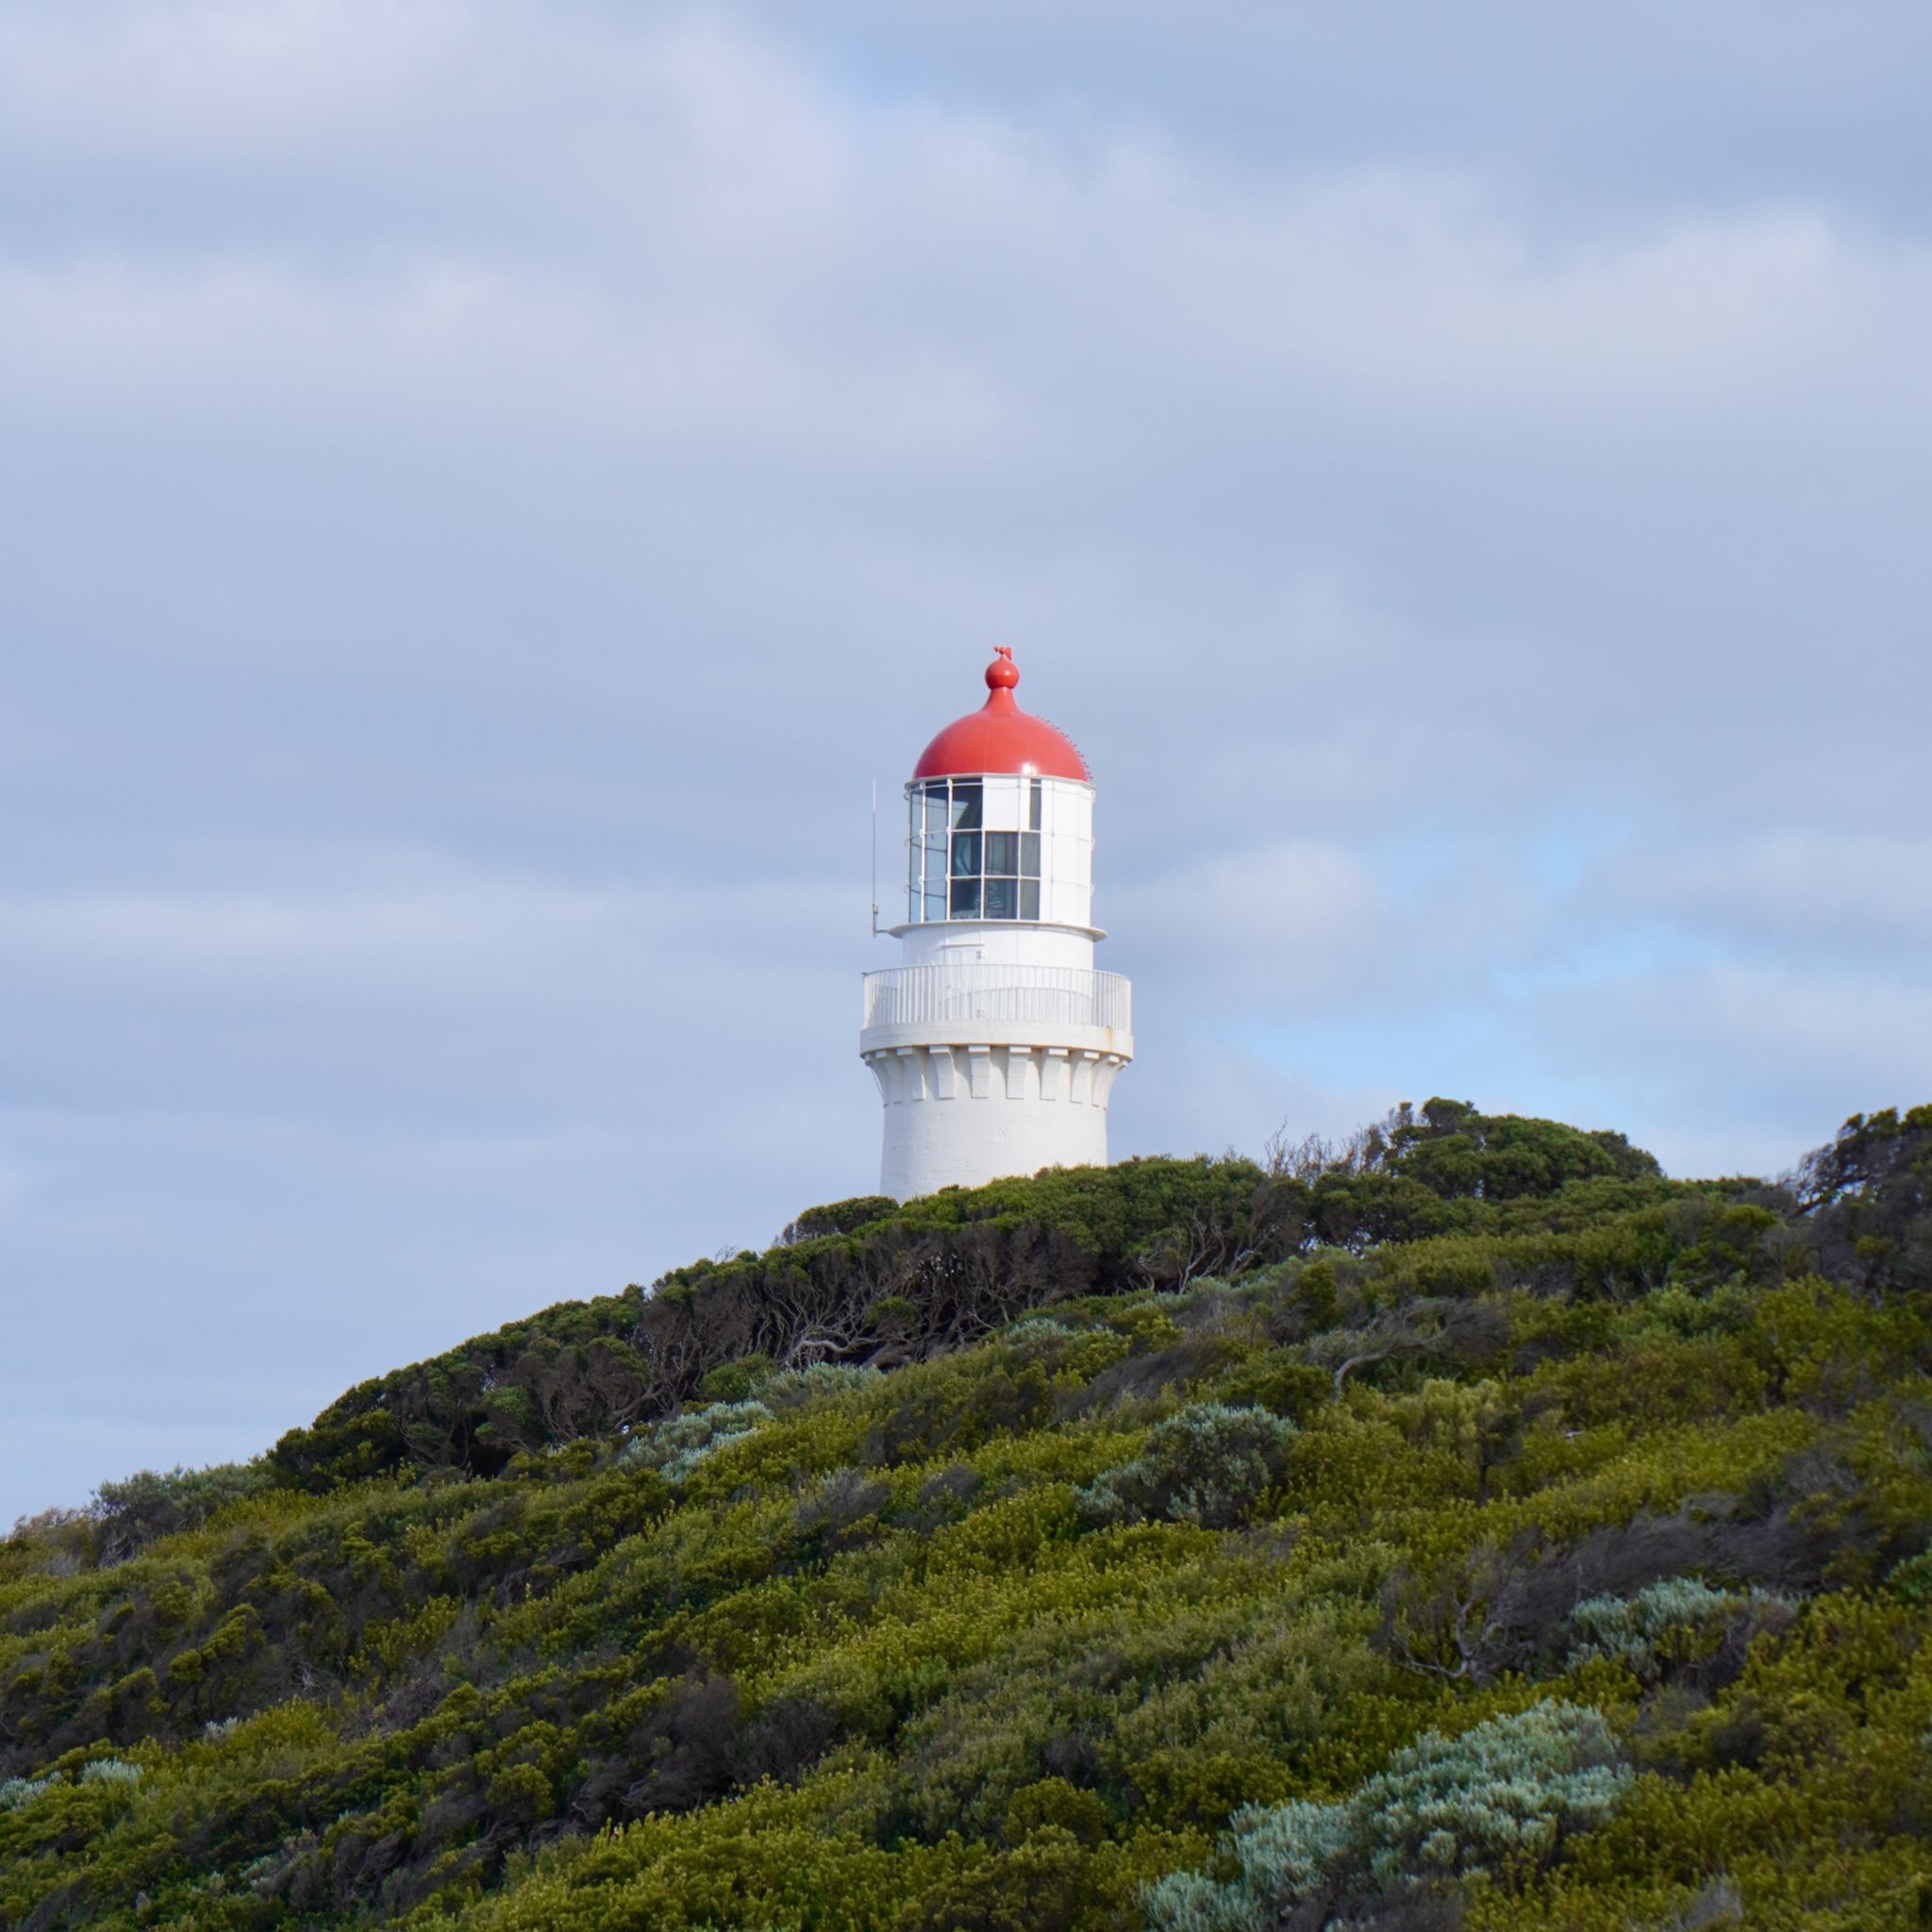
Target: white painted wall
<point x="1066" y="853"/>
<point x="963" y="1115"/>
<point x="995" y="942"/>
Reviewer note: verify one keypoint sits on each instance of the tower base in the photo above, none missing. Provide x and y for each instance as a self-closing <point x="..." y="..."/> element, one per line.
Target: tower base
<point x="964" y="1114"/>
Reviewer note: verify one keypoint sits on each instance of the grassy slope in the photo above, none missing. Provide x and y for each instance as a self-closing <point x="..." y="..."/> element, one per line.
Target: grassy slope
<point x="887" y="1651"/>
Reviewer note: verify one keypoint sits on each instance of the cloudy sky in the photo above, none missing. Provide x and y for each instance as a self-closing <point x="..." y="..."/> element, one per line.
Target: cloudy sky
<point x="485" y="488"/>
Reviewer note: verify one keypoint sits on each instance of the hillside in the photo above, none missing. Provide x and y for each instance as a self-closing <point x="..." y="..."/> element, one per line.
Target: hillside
<point x="1466" y="1525"/>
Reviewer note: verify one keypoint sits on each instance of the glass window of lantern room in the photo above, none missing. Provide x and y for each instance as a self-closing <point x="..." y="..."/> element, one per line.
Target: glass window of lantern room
<point x="967" y="856"/>
<point x="966" y="836"/>
<point x="1002" y="875"/>
<point x="925" y="845"/>
<point x="939" y="811"/>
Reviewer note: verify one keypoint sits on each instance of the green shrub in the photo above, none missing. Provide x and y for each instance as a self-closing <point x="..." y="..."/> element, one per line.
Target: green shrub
<point x="145" y="1507"/>
<point x="1912" y="1579"/>
<point x="1039" y="1335"/>
<point x="1499" y="1800"/>
<point x="1055" y="1802"/>
<point x="677" y="1447"/>
<point x="1672" y="1622"/>
<point x="736" y="1381"/>
<point x="1280" y="1857"/>
<point x="791" y="1387"/>
<point x="840" y="1217"/>
<point x="1211" y="1464"/>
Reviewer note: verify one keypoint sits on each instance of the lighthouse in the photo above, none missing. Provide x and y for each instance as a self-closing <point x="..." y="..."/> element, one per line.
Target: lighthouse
<point x="994" y="1042"/>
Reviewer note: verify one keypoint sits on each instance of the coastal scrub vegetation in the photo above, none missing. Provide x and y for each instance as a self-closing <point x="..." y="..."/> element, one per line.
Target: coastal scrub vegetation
<point x="1465" y="1526"/>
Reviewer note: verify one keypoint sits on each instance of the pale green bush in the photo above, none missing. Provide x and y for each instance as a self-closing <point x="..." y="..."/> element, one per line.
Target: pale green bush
<point x="1039" y="1335"/>
<point x="678" y="1446"/>
<point x="1281" y="1855"/>
<point x="1675" y="1620"/>
<point x="1061" y="1350"/>
<point x="789" y="1387"/>
<point x="156" y="1502"/>
<point x="1498" y="1800"/>
<point x="1191" y="1902"/>
<point x="1210" y="1464"/>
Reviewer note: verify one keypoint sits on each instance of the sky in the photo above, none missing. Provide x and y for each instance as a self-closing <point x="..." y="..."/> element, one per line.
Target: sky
<point x="487" y="487"/>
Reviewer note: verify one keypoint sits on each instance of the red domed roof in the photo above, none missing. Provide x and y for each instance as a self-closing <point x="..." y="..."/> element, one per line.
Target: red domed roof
<point x="1000" y="737"/>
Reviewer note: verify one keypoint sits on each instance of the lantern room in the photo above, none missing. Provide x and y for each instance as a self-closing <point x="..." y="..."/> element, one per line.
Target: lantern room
<point x="1000" y="820"/>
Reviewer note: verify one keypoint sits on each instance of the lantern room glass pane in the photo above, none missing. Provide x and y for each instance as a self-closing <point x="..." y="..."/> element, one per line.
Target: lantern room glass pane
<point x="957" y="868"/>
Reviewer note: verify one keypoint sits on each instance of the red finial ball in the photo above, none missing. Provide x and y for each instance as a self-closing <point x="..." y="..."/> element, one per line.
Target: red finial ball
<point x="1002" y="674"/>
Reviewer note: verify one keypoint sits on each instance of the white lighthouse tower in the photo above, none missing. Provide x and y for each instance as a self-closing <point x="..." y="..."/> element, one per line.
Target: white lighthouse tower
<point x="995" y="1044"/>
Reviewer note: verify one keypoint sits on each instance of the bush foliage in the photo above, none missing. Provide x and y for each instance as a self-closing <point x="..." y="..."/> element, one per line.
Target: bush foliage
<point x="1498" y="1801"/>
<point x="1467" y="1524"/>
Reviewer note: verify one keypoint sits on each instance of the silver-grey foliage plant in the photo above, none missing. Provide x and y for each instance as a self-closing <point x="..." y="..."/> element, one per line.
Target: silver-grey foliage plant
<point x="1677" y="1620"/>
<point x="678" y="1446"/>
<point x="1210" y="1463"/>
<point x="1499" y="1799"/>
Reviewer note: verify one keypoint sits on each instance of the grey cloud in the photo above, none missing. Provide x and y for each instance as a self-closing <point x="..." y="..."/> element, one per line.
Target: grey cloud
<point x="1850" y="894"/>
<point x="484" y="489"/>
<point x="1722" y="1068"/>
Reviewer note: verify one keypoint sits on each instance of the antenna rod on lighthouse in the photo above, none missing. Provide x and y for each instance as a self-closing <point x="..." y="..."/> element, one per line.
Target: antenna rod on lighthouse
<point x="875" y="859"/>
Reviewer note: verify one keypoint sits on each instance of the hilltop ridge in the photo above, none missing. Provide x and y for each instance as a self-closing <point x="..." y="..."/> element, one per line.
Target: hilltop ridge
<point x="1468" y="1524"/>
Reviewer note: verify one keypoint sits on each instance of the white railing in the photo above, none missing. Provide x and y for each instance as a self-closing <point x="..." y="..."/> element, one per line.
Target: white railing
<point x="1060" y="995"/>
